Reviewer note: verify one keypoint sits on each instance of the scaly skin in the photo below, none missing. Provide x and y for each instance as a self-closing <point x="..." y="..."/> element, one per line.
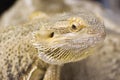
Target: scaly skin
<point x="38" y="48"/>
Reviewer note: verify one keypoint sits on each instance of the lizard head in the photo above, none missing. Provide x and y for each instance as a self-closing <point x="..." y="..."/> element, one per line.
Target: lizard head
<point x="68" y="38"/>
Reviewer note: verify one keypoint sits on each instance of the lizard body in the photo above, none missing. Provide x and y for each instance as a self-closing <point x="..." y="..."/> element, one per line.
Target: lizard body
<point x="40" y="46"/>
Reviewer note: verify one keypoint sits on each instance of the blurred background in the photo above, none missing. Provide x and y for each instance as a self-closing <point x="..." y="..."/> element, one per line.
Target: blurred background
<point x="105" y="64"/>
<point x="110" y="4"/>
<point x="5" y="5"/>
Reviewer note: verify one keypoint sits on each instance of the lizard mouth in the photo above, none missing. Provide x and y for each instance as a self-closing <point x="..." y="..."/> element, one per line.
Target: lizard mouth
<point x="70" y="51"/>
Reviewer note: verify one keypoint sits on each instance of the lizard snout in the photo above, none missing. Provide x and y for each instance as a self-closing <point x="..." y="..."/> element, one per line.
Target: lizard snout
<point x="43" y="34"/>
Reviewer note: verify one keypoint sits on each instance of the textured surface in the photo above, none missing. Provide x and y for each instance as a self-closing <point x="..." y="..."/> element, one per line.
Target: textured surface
<point x="104" y="65"/>
<point x="57" y="40"/>
<point x="16" y="52"/>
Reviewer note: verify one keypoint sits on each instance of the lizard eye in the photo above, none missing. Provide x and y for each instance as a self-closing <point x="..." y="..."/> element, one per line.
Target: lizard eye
<point x="74" y="27"/>
<point x="76" y="24"/>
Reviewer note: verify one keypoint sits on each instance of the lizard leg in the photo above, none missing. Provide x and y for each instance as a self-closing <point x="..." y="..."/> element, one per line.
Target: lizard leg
<point x="34" y="73"/>
<point x="29" y="73"/>
<point x="37" y="74"/>
<point x="52" y="73"/>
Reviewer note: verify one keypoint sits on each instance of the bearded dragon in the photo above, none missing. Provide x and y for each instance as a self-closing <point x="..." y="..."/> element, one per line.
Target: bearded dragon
<point x="38" y="49"/>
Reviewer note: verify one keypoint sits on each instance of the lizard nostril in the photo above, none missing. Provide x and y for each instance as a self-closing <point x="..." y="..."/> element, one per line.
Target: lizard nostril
<point x="51" y="34"/>
<point x="74" y="27"/>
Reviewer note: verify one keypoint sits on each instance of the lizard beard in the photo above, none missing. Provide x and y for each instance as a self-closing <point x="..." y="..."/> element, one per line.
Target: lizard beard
<point x="63" y="54"/>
